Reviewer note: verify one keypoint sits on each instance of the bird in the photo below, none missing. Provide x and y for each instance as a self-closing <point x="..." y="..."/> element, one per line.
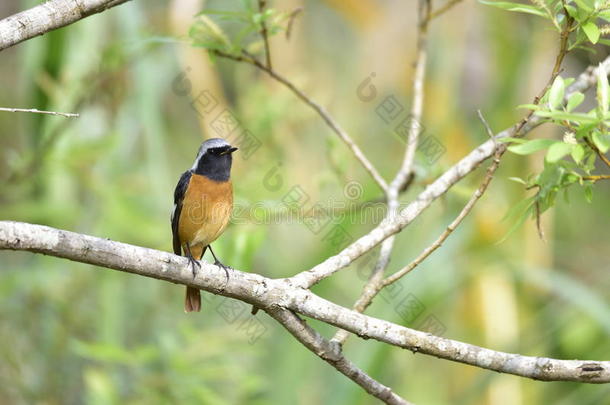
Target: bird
<point x="203" y="202"/>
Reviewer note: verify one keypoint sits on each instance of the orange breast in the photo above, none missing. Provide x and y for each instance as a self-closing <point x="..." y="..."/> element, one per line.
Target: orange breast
<point x="206" y="210"/>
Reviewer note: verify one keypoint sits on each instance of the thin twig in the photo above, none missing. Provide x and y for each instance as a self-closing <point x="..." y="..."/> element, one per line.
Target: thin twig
<point x="597" y="177"/>
<point x="264" y="34"/>
<point x="538" y="221"/>
<point x="291" y="19"/>
<point x="458" y="220"/>
<point x="443" y="9"/>
<point x="403" y="176"/>
<point x="36" y="111"/>
<point x="417" y="104"/>
<point x="330" y="121"/>
<point x="597" y="151"/>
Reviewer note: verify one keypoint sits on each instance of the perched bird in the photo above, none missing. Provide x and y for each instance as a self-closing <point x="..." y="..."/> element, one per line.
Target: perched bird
<point x="203" y="201"/>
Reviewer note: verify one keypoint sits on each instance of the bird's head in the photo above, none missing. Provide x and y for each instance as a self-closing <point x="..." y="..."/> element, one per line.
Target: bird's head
<point x="214" y="159"/>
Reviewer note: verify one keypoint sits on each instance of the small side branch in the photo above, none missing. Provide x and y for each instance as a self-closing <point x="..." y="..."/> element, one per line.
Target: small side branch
<point x="444" y="8"/>
<point x="35" y="111"/>
<point x="331" y="354"/>
<point x="264" y="34"/>
<point x="597" y="151"/>
<point x="404" y="175"/>
<point x="417" y="104"/>
<point x="597" y="177"/>
<point x="458" y="220"/>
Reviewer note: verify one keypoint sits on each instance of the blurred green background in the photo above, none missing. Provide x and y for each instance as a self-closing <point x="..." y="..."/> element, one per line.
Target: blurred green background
<point x="72" y="333"/>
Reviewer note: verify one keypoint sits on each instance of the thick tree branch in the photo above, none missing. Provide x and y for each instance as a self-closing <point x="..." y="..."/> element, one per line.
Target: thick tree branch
<point x="47" y="17"/>
<point x="271" y="294"/>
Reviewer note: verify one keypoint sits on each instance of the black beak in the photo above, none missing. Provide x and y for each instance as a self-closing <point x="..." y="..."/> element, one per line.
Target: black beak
<point x="229" y="151"/>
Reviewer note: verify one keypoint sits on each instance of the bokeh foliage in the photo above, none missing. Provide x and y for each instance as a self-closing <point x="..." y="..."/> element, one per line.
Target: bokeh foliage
<point x="71" y="333"/>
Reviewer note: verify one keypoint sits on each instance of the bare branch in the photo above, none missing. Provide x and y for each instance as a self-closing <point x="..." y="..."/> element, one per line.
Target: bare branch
<point x="264" y="34"/>
<point x="597" y="177"/>
<point x="332" y="355"/>
<point x="436" y="189"/>
<point x="417" y="104"/>
<point x="47" y="17"/>
<point x="458" y="220"/>
<point x="269" y="294"/>
<point x="404" y="174"/>
<point x="371" y="288"/>
<point x="35" y="111"/>
<point x="597" y="151"/>
<point x="291" y="19"/>
<point x="330" y="121"/>
<point x="444" y="8"/>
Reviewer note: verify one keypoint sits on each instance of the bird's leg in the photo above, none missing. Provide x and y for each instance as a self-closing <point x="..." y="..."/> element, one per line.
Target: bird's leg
<point x="192" y="261"/>
<point x="219" y="264"/>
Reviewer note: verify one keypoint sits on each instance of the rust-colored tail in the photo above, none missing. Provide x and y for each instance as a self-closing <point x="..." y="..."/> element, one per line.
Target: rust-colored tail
<point x="192" y="300"/>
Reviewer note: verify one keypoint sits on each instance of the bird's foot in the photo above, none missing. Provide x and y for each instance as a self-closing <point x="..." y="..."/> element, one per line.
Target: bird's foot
<point x="194" y="265"/>
<point x="225" y="268"/>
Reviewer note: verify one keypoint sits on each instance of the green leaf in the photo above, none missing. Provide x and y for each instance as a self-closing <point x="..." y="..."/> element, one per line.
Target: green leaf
<point x="578" y="153"/>
<point x="529" y="106"/>
<point x="605" y="14"/>
<point x="574" y="100"/>
<point x="518" y="180"/>
<point x="579" y="118"/>
<point x="508" y="139"/>
<point x="572" y="11"/>
<point x="590" y="162"/>
<point x="585" y="5"/>
<point x="556" y="93"/>
<point x="591" y="31"/>
<point x="532" y="146"/>
<point x="588" y="189"/>
<point x="517" y="215"/>
<point x="557" y="151"/>
<point x="601" y="141"/>
<point x="570" y="178"/>
<point x="521" y="8"/>
<point x="206" y="33"/>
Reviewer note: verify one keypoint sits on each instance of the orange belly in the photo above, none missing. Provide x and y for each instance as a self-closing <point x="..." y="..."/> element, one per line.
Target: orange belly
<point x="206" y="211"/>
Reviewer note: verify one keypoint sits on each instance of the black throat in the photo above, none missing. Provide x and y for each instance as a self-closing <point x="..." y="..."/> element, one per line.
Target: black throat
<point x="215" y="167"/>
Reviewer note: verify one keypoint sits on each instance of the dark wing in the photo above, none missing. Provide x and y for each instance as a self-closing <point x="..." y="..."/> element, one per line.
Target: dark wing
<point x="179" y="193"/>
